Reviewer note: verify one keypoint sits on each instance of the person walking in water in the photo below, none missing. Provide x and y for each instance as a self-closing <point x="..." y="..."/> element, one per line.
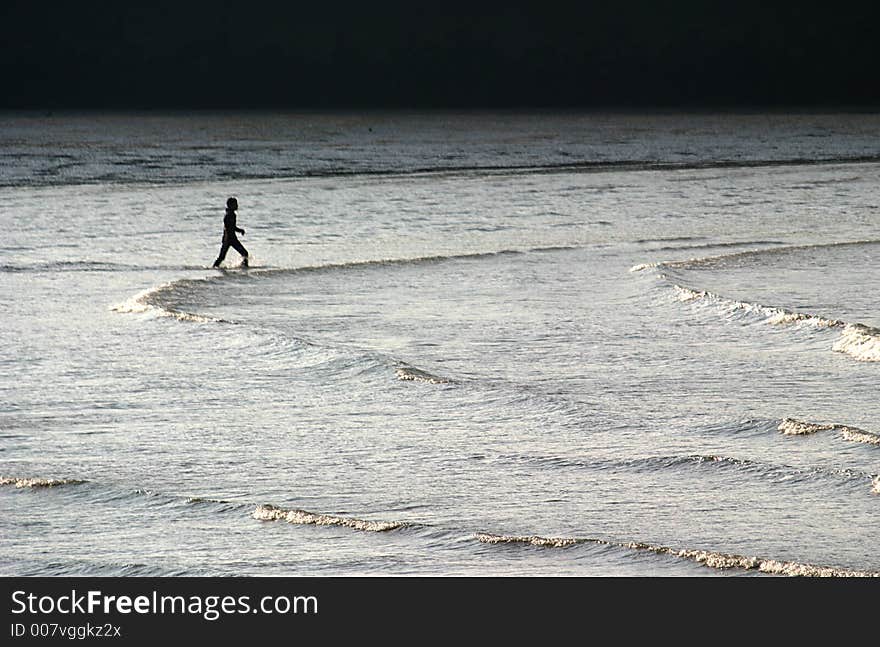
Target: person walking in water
<point x="229" y="238"/>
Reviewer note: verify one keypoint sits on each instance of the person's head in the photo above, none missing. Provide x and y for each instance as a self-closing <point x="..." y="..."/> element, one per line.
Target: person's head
<point x="232" y="204"/>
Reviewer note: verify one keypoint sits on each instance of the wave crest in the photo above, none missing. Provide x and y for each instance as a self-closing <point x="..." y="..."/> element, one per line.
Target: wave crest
<point x="710" y="559"/>
<point x="268" y="512"/>
<point x="724" y="561"/>
<point x="412" y="374"/>
<point x="147" y="302"/>
<point x="37" y="482"/>
<point x="860" y="342"/>
<point x="857" y="340"/>
<point x="792" y="427"/>
<point x="859" y="436"/>
<point x="532" y="540"/>
<point x="769" y="314"/>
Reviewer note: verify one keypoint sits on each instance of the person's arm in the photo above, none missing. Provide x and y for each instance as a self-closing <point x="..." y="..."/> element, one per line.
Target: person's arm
<point x="230" y="223"/>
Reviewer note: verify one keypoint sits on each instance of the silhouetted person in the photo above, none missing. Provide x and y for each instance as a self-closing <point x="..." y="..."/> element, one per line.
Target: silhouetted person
<point x="229" y="237"/>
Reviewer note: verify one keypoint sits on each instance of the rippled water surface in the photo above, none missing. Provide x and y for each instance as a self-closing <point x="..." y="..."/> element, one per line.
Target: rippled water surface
<point x="483" y="344"/>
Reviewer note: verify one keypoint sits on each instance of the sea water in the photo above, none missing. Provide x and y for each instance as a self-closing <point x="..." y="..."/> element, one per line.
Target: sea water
<point x="467" y="343"/>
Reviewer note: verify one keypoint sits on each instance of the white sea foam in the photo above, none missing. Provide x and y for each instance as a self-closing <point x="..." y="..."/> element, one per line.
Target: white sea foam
<point x="860" y="436"/>
<point x="36" y="482"/>
<point x="686" y="294"/>
<point x="141" y="304"/>
<point x="792" y="427"/>
<point x="708" y="558"/>
<point x="724" y="561"/>
<point x="769" y="314"/>
<point x="137" y="304"/>
<point x="857" y="340"/>
<point x="533" y="540"/>
<point x="272" y="513"/>
<point x="410" y="374"/>
<point x="861" y="342"/>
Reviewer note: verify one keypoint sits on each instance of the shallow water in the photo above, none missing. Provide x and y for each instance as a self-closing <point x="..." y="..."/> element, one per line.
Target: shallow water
<point x="647" y="346"/>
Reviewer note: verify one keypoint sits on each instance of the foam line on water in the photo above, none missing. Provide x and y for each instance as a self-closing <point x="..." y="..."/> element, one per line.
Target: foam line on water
<point x="708" y="558"/>
<point x="857" y="340"/>
<point x="793" y="427"/>
<point x="36" y="482"/>
<point x="146" y="302"/>
<point x="408" y="373"/>
<point x="266" y="512"/>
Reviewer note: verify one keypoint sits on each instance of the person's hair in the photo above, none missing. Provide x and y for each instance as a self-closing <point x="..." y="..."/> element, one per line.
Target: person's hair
<point x="232" y="203"/>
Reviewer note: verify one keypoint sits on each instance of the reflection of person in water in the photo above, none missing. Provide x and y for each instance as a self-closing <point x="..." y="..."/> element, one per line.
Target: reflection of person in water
<point x="229" y="237"/>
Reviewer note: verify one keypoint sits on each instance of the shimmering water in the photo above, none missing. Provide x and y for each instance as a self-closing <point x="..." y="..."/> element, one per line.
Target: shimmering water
<point x="473" y="344"/>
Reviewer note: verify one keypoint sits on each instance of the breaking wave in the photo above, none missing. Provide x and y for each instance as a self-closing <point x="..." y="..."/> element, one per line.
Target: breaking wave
<point x="150" y="302"/>
<point x="263" y="512"/>
<point x="159" y="301"/>
<point x="410" y="374"/>
<point x="710" y="559"/>
<point x="267" y="512"/>
<point x="531" y="540"/>
<point x="859" y="436"/>
<point x="857" y="340"/>
<point x="770" y="314"/>
<point x="163" y="300"/>
<point x="861" y="342"/>
<point x="272" y="513"/>
<point x="103" y="492"/>
<point x="37" y="482"/>
<point x="792" y="427"/>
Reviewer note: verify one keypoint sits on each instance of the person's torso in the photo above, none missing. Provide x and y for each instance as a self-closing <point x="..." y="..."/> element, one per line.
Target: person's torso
<point x="229" y="224"/>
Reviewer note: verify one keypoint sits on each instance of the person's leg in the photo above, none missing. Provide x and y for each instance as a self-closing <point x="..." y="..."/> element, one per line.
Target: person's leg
<point x="223" y="249"/>
<point x="241" y="250"/>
